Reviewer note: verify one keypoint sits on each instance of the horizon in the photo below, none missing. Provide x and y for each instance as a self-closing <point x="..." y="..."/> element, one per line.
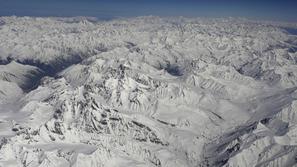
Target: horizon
<point x="103" y="9"/>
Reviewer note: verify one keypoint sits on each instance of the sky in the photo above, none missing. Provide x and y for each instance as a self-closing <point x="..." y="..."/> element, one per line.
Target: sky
<point x="107" y="9"/>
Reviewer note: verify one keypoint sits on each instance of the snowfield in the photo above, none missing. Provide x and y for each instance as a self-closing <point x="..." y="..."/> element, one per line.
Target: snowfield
<point x="147" y="91"/>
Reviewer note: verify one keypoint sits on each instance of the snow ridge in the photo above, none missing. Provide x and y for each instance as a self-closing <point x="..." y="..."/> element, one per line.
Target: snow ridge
<point x="147" y="91"/>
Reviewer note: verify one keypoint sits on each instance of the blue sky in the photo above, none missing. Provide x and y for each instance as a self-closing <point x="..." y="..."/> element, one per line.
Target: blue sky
<point x="257" y="9"/>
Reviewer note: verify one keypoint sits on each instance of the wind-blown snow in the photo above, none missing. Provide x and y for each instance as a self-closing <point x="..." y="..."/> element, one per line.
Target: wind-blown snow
<point x="147" y="91"/>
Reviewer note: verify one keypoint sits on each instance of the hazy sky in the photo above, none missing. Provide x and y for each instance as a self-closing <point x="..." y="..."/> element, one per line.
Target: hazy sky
<point x="259" y="9"/>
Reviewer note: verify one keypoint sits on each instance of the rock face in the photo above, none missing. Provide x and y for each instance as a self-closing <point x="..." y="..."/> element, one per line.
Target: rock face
<point x="147" y="91"/>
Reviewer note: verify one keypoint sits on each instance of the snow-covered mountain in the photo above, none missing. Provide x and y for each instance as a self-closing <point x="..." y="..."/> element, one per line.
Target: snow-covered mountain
<point x="147" y="91"/>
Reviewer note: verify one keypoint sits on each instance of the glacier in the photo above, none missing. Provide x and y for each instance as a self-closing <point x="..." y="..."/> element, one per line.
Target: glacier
<point x="147" y="91"/>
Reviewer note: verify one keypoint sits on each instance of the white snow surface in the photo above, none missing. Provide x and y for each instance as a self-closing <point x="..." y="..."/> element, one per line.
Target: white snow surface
<point x="147" y="91"/>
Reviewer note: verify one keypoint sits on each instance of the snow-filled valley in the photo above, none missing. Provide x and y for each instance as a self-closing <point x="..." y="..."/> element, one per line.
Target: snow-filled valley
<point x="147" y="91"/>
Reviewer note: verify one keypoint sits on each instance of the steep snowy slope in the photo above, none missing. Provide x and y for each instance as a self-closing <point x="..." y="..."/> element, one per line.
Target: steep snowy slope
<point x="147" y="91"/>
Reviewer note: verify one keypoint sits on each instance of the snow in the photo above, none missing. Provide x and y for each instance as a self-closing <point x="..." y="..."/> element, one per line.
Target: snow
<point x="23" y="75"/>
<point x="147" y="91"/>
